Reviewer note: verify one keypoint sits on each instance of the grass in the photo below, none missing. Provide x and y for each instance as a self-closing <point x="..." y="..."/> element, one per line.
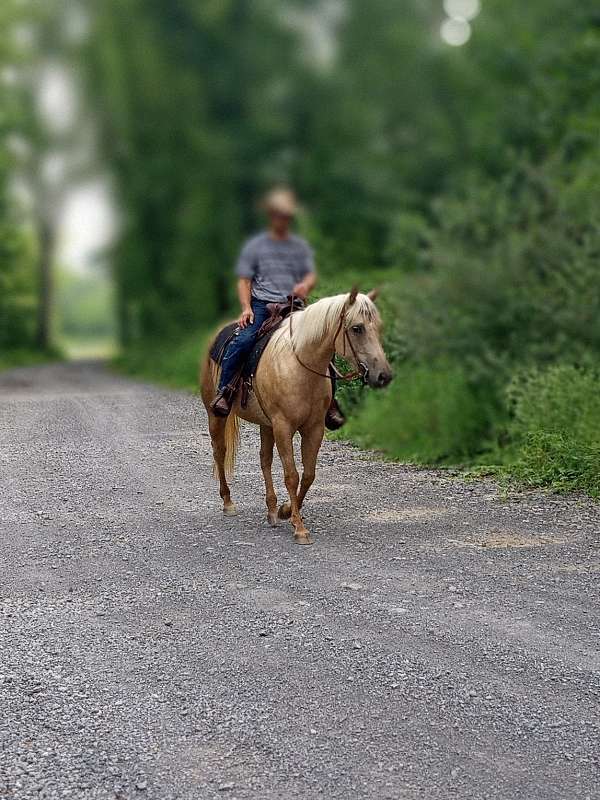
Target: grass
<point x="554" y="431"/>
<point x="24" y="357"/>
<point x="429" y="415"/>
<point x="557" y="462"/>
<point x="89" y="348"/>
<point x="174" y="364"/>
<point x="545" y="435"/>
<point x="545" y="431"/>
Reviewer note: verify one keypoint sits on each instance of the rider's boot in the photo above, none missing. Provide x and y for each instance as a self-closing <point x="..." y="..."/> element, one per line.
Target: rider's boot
<point x="334" y="419"/>
<point x="221" y="405"/>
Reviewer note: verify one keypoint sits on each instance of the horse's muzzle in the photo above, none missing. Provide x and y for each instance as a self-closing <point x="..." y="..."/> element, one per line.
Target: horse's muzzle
<point x="380" y="378"/>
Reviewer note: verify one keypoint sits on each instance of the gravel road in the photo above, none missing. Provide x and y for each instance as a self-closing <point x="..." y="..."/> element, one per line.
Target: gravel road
<point x="439" y="640"/>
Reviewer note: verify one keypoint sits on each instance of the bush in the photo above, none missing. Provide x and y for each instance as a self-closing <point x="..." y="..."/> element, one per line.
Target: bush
<point x="555" y="429"/>
<point x="17" y="288"/>
<point x="174" y="363"/>
<point x="430" y="414"/>
<point x="27" y="357"/>
<point x="514" y="275"/>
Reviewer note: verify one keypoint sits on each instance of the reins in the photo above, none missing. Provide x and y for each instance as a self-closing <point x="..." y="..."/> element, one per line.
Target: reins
<point x="362" y="371"/>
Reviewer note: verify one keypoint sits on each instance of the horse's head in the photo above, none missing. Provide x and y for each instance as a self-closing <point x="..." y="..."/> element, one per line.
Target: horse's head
<point x="360" y="341"/>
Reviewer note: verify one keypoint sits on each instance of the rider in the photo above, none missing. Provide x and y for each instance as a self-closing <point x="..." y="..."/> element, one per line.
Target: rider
<point x="271" y="266"/>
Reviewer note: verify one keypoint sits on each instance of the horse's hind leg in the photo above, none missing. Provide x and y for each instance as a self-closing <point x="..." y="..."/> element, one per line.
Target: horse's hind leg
<point x="266" y="462"/>
<point x="217" y="435"/>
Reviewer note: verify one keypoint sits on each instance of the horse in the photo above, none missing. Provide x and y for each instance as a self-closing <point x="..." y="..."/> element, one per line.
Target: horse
<point x="291" y="392"/>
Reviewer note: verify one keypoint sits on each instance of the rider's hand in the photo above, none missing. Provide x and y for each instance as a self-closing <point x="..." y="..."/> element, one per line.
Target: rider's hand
<point x="300" y="291"/>
<point x="246" y="318"/>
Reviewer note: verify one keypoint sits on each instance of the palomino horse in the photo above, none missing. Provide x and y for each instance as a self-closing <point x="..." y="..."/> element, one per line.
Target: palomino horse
<point x="292" y="391"/>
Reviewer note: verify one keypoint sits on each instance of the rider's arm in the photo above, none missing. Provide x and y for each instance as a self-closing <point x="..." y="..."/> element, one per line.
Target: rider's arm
<point x="309" y="274"/>
<point x="306" y="285"/>
<point x="245" y="270"/>
<point x="244" y="288"/>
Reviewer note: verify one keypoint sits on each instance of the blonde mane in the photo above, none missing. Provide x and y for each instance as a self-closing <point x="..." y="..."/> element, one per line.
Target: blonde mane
<point x="320" y="320"/>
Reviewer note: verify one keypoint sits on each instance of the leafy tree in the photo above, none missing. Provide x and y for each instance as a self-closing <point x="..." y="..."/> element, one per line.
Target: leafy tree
<point x="191" y="110"/>
<point x="17" y="288"/>
<point x="44" y="153"/>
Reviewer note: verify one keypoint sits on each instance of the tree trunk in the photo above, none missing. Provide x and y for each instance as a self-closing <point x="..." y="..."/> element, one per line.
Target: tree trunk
<point x="123" y="317"/>
<point x="45" y="285"/>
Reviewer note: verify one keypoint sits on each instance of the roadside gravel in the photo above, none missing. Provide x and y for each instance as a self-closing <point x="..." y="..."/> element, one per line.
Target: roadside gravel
<point x="439" y="640"/>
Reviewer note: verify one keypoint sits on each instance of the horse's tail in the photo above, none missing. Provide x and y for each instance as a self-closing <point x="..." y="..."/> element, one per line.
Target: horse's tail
<point x="209" y="380"/>
<point x="232" y="442"/>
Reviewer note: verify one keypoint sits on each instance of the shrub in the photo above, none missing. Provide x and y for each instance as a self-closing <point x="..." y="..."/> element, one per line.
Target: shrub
<point x="430" y="414"/>
<point x="174" y="363"/>
<point x="555" y="429"/>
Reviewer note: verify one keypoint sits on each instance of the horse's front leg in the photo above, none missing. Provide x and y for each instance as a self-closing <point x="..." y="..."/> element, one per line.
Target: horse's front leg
<point x="266" y="462"/>
<point x="312" y="438"/>
<point x="284" y="440"/>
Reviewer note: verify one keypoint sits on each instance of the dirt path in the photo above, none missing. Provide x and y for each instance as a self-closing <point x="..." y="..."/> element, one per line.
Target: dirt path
<point x="437" y="641"/>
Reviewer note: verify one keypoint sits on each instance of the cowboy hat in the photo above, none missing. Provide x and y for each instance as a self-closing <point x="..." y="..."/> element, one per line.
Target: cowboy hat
<point x="281" y="201"/>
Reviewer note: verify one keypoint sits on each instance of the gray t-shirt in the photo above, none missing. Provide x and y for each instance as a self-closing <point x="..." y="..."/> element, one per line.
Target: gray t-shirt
<point x="275" y="266"/>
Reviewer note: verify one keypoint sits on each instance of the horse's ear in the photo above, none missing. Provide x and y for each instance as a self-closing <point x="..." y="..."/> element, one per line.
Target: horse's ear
<point x="353" y="295"/>
<point x="373" y="294"/>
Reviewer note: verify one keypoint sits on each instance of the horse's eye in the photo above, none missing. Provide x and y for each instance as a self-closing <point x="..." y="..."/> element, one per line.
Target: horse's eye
<point x="358" y="329"/>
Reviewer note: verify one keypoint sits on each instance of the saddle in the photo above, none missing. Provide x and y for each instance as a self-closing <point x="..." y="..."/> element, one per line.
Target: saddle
<point x="277" y="313"/>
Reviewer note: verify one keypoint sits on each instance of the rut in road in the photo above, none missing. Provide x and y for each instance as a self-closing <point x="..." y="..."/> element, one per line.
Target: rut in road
<point x="438" y="640"/>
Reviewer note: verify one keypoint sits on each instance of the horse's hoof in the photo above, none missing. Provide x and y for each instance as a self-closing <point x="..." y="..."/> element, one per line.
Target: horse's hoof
<point x="302" y="537"/>
<point x="273" y="520"/>
<point x="230" y="511"/>
<point x="285" y="511"/>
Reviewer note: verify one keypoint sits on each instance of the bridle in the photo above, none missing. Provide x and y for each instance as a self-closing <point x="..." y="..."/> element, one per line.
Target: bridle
<point x="362" y="373"/>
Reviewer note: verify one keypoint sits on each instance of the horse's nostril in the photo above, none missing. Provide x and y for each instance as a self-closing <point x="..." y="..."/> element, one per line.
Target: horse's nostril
<point x="384" y="378"/>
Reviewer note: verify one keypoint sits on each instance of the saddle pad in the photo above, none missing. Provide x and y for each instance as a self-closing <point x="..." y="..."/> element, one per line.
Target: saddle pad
<point x="224" y="336"/>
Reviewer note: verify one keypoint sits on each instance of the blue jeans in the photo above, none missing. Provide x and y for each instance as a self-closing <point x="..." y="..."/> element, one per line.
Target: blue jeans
<point x="241" y="345"/>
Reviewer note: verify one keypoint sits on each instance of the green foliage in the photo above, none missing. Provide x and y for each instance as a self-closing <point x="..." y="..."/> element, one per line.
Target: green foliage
<point x="27" y="357"/>
<point x="561" y="398"/>
<point x="514" y="280"/>
<point x="21" y="134"/>
<point x="85" y="307"/>
<point x="430" y="414"/>
<point x="465" y="181"/>
<point x="176" y="363"/>
<point x="17" y="289"/>
<point x="555" y="429"/>
<point x="192" y="113"/>
<point x="508" y="272"/>
<point x="558" y="462"/>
